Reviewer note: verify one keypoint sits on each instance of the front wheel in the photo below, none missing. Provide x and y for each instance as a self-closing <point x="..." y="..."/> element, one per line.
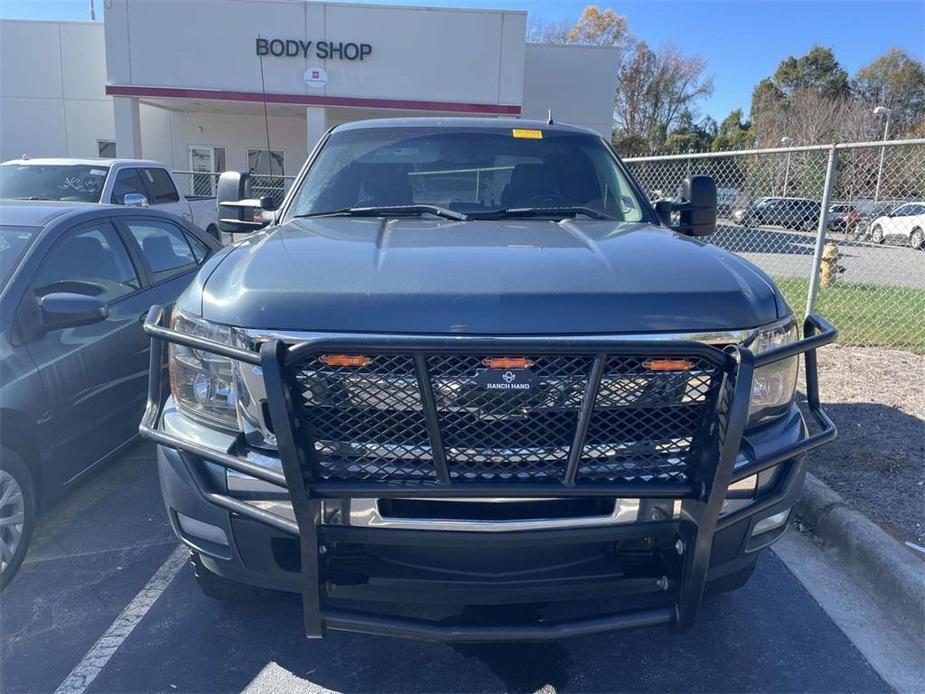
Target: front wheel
<point x="17" y="513"/>
<point x="876" y="234"/>
<point x="213" y="231"/>
<point x="917" y="239"/>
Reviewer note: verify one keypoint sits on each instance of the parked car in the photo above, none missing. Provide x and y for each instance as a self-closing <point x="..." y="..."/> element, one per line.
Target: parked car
<point x="793" y="213"/>
<point x="844" y="218"/>
<point x="466" y="362"/>
<point x="905" y="222"/>
<point x="133" y="182"/>
<point x="75" y="282"/>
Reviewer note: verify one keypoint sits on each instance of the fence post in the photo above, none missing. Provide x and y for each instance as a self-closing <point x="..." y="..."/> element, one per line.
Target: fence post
<point x="820" y="231"/>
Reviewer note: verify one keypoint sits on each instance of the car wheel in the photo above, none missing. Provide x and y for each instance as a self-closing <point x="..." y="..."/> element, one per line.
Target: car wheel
<point x="17" y="513"/>
<point x="218" y="587"/>
<point x="809" y="224"/>
<point x="876" y="234"/>
<point x="917" y="239"/>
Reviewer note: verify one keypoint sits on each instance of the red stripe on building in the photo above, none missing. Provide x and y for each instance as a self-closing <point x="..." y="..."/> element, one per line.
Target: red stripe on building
<point x="307" y="100"/>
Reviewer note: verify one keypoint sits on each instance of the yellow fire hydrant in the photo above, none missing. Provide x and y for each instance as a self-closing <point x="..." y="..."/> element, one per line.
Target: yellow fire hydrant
<point x="829" y="269"/>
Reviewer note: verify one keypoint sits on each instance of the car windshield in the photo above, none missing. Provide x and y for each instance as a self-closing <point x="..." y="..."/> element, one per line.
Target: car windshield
<point x="472" y="171"/>
<point x="14" y="242"/>
<point x="70" y="182"/>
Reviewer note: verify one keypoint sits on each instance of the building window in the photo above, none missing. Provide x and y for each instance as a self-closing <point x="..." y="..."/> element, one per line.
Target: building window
<point x="106" y="149"/>
<point x="206" y="162"/>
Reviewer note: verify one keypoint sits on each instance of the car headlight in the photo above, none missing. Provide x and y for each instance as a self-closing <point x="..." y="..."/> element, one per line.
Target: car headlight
<point x="203" y="383"/>
<point x="773" y="385"/>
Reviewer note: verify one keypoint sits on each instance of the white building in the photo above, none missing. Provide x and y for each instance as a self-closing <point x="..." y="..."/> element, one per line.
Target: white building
<point x="188" y="83"/>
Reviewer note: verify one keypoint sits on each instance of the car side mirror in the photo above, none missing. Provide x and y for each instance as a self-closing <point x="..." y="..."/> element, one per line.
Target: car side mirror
<point x="134" y="200"/>
<point x="237" y="211"/>
<point x="60" y="310"/>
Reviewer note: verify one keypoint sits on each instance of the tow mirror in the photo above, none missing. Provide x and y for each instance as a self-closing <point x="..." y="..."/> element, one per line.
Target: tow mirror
<point x="238" y="212"/>
<point x="68" y="310"/>
<point x="697" y="209"/>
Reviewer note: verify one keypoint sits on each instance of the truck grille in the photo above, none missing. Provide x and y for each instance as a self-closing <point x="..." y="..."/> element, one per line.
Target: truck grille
<point x="369" y="423"/>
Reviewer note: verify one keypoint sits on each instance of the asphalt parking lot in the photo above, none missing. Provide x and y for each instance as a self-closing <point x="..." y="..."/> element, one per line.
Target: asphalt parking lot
<point x="98" y="548"/>
<point x="788" y="253"/>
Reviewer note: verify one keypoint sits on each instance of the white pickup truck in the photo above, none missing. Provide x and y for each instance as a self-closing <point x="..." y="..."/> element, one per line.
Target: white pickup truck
<point x="117" y="181"/>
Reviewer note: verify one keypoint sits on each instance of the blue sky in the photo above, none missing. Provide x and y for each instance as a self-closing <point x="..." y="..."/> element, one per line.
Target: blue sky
<point x="741" y="40"/>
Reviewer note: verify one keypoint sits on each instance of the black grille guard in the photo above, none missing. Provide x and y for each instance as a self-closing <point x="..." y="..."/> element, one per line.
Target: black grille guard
<point x="702" y="495"/>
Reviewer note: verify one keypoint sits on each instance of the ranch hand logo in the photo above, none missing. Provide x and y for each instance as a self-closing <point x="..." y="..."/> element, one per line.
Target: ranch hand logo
<point x="506" y="379"/>
<point x="321" y="50"/>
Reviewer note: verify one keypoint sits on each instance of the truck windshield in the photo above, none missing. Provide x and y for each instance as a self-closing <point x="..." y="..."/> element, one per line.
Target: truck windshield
<point x="474" y="171"/>
<point x="70" y="182"/>
<point x="14" y="242"/>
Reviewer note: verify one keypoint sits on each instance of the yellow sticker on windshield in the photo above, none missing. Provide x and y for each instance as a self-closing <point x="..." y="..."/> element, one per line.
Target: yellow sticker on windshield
<point x="529" y="134"/>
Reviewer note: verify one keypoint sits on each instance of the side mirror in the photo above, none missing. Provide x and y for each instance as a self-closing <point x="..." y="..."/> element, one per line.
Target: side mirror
<point x="698" y="206"/>
<point x="66" y="310"/>
<point x="134" y="200"/>
<point x="237" y="211"/>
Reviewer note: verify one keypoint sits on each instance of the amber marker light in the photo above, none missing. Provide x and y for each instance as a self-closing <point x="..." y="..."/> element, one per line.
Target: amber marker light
<point x="507" y="362"/>
<point x="354" y="360"/>
<point x="668" y="364"/>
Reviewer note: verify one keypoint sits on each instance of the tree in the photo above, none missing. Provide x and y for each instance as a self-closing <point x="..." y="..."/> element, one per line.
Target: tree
<point x="593" y="28"/>
<point x="596" y="28"/>
<point x="690" y="136"/>
<point x="818" y="71"/>
<point x="733" y="133"/>
<point x="807" y="99"/>
<point x="895" y="80"/>
<point x="655" y="89"/>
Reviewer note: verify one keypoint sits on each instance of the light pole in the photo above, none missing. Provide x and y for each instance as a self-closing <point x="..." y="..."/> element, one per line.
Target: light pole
<point x="786" y="142"/>
<point x="882" y="111"/>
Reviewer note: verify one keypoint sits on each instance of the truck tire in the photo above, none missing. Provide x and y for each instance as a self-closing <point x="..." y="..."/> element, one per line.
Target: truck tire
<point x="17" y="513"/>
<point x="212" y="230"/>
<point x="218" y="587"/>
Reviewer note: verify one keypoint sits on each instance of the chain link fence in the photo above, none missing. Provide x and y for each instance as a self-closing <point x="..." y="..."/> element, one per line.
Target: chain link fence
<point x="840" y="228"/>
<point x="205" y="184"/>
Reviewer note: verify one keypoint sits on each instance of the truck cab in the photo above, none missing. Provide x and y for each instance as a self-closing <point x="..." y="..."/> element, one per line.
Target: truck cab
<point x="133" y="182"/>
<point x="466" y="363"/>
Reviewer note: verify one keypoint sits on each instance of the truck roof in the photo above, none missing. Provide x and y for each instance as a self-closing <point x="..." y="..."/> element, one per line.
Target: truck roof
<point x="85" y="162"/>
<point x="463" y="122"/>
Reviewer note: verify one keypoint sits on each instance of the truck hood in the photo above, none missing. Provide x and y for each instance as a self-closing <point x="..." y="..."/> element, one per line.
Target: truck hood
<point x="515" y="277"/>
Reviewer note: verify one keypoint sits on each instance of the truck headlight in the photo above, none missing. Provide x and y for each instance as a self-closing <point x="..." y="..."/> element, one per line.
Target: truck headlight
<point x="773" y="386"/>
<point x="202" y="383"/>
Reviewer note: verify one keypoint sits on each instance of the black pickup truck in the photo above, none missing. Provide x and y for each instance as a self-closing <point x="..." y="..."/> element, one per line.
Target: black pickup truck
<point x="466" y="363"/>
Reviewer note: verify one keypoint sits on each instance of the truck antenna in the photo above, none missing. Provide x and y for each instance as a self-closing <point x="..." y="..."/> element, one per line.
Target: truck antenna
<point x="266" y="116"/>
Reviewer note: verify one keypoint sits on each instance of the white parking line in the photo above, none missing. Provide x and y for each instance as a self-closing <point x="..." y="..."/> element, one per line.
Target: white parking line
<point x="105" y="648"/>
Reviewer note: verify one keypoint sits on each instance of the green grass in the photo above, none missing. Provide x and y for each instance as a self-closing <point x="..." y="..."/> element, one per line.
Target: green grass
<point x="866" y="314"/>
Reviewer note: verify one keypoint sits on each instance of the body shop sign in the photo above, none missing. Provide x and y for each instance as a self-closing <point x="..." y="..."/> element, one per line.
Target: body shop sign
<point x="320" y="50"/>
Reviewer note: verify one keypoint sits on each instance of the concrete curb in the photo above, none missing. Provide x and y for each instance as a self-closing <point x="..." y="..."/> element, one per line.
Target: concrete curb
<point x="878" y="561"/>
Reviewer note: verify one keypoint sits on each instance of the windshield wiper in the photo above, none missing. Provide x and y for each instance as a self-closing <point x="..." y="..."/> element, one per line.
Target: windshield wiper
<point x="388" y="211"/>
<point x="557" y="212"/>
